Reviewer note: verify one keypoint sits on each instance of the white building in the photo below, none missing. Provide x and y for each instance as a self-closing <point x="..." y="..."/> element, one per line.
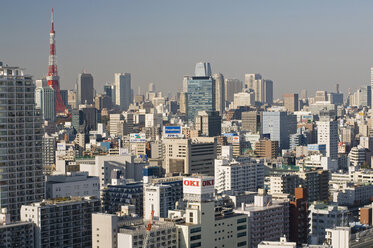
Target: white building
<point x="338" y="237"/>
<point x="161" y="195"/>
<point x="122" y="82"/>
<point x="277" y="244"/>
<point x="357" y="156"/>
<point x="283" y="184"/>
<point x="201" y="224"/>
<point x="351" y="194"/>
<point x="242" y="99"/>
<point x="238" y="176"/>
<point x="268" y="219"/>
<point x="327" y="133"/>
<point x="72" y="184"/>
<point x="324" y="216"/>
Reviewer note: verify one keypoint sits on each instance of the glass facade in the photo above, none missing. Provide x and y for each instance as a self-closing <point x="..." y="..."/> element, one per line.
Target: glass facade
<point x="200" y="95"/>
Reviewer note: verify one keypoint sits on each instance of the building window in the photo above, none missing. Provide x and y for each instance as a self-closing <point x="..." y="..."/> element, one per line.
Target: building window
<point x="196" y="245"/>
<point x="242" y="234"/>
<point x="241" y="227"/>
<point x="195" y="237"/>
<point x="243" y="243"/>
<point x="243" y="220"/>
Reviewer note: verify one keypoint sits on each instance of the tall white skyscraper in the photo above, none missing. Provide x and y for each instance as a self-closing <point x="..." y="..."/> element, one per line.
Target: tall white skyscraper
<point x="203" y="69"/>
<point x="219" y="93"/>
<point x="327" y="133"/>
<point x="122" y="82"/>
<point x="21" y="174"/>
<point x="45" y="100"/>
<point x="255" y="82"/>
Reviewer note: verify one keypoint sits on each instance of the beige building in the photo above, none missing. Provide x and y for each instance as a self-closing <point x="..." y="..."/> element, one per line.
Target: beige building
<point x="190" y="156"/>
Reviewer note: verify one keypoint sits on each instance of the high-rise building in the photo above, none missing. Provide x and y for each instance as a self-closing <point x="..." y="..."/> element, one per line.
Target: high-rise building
<point x="252" y="121"/>
<point x="45" y="100"/>
<point x="244" y="99"/>
<point x="122" y="82"/>
<point x="190" y="156"/>
<point x="299" y="217"/>
<point x="208" y="123"/>
<point x="231" y="87"/>
<point x="183" y="103"/>
<point x="266" y="148"/>
<point x="278" y="126"/>
<point x="219" y="92"/>
<point x="53" y="78"/>
<point x="65" y="223"/>
<point x="255" y="82"/>
<point x="203" y="69"/>
<point x="21" y="136"/>
<point x="268" y="91"/>
<point x="327" y="133"/>
<point x="291" y="102"/>
<point x="201" y="95"/>
<point x="85" y="89"/>
<point x="233" y="176"/>
<point x="371" y="85"/>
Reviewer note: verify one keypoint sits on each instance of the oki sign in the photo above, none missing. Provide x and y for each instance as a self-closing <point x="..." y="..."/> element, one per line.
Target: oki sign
<point x="195" y="185"/>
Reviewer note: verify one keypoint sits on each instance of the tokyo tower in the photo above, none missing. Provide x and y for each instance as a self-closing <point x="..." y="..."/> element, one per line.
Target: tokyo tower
<point x="53" y="78"/>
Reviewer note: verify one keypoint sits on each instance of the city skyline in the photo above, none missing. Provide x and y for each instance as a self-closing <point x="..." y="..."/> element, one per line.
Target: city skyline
<point x="296" y="45"/>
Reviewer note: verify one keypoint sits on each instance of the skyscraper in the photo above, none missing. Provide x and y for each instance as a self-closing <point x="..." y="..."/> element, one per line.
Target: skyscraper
<point x="278" y="126"/>
<point x="45" y="100"/>
<point x="53" y="78"/>
<point x="291" y="102"/>
<point x="85" y="89"/>
<point x="201" y="95"/>
<point x="203" y="69"/>
<point x="232" y="86"/>
<point x="268" y="91"/>
<point x="219" y="92"/>
<point x="255" y="82"/>
<point x="122" y="82"/>
<point x="21" y="174"/>
<point x="327" y="133"/>
<point x="371" y="85"/>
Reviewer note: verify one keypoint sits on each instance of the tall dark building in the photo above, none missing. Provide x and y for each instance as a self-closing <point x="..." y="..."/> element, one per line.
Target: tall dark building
<point x="298" y="225"/>
<point x="208" y="123"/>
<point x="84" y="89"/>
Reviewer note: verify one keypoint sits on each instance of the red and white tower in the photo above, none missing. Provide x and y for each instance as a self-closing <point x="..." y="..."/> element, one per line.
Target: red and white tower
<point x="53" y="78"/>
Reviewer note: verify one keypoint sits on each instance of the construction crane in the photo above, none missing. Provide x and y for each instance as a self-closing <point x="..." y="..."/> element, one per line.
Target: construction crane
<point x="148" y="228"/>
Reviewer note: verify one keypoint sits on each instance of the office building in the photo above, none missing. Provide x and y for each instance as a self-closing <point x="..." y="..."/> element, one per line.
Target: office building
<point x="327" y="133"/>
<point x="233" y="176"/>
<point x="160" y="195"/>
<point x="277" y="126"/>
<point x="268" y="91"/>
<point x="89" y="114"/>
<point x="203" y="69"/>
<point x="231" y="87"/>
<point x="252" y="121"/>
<point x="291" y="102"/>
<point x="45" y="100"/>
<point x="219" y="93"/>
<point x="201" y="95"/>
<point x="84" y="89"/>
<point x="208" y="123"/>
<point x="201" y="224"/>
<point x="190" y="156"/>
<point x="71" y="184"/>
<point x="65" y="223"/>
<point x="122" y="83"/>
<point x="21" y="141"/>
<point x="268" y="219"/>
<point x="244" y="99"/>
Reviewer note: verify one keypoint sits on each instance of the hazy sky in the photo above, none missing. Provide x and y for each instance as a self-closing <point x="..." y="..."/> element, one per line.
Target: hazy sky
<point x="297" y="44"/>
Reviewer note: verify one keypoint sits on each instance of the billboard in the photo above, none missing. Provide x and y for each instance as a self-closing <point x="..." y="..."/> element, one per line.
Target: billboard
<point x="198" y="185"/>
<point x="235" y="139"/>
<point x="172" y="132"/>
<point x="137" y="137"/>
